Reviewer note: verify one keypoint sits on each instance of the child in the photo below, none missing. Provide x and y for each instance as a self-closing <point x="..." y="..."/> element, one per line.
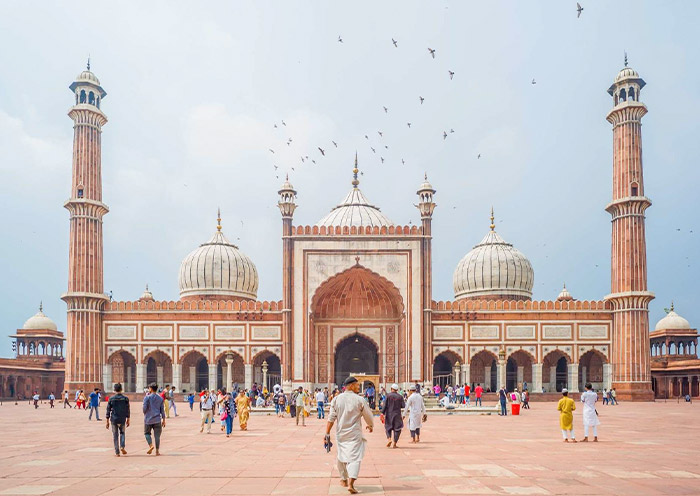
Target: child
<point x="190" y="400"/>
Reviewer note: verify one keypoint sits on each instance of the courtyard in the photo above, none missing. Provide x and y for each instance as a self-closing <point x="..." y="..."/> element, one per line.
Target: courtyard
<point x="645" y="448"/>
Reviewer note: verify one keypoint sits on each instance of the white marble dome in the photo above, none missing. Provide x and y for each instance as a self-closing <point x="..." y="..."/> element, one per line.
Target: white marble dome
<point x="494" y="268"/>
<point x="218" y="270"/>
<point x="355" y="210"/>
<point x="87" y="77"/>
<point x="40" y="321"/>
<point x="672" y="321"/>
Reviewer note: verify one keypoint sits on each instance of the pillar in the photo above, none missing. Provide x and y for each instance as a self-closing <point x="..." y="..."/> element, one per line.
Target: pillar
<point x="520" y="375"/>
<point x="573" y="378"/>
<point x="501" y="374"/>
<point x="248" y="367"/>
<point x="456" y="370"/>
<point x="140" y="377"/>
<point x="607" y="376"/>
<point x="229" y="371"/>
<point x="487" y="377"/>
<point x="193" y="378"/>
<point x="177" y="376"/>
<point x="426" y="206"/>
<point x="536" y="377"/>
<point x="159" y="376"/>
<point x="129" y="386"/>
<point x="584" y="371"/>
<point x="107" y="378"/>
<point x="552" y="388"/>
<point x="465" y="374"/>
<point x="212" y="377"/>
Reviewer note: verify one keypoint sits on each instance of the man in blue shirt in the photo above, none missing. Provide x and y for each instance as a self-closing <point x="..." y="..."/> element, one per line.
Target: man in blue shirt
<point x="118" y="412"/>
<point x="153" y="418"/>
<point x="95" y="403"/>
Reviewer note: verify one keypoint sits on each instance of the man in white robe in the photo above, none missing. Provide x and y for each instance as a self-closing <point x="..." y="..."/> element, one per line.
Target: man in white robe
<point x="590" y="416"/>
<point x="415" y="411"/>
<point x="347" y="411"/>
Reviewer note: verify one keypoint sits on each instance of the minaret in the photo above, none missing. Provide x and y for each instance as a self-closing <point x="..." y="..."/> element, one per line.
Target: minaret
<point x="631" y="374"/>
<point x="426" y="206"/>
<point x="287" y="205"/>
<point x="85" y="297"/>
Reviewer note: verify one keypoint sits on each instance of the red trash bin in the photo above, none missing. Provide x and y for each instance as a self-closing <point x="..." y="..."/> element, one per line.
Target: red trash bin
<point x="515" y="409"/>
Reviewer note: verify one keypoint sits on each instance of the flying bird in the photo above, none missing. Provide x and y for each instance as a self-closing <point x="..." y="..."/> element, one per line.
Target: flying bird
<point x="322" y="151"/>
<point x="271" y="150"/>
<point x="302" y="159"/>
<point x="366" y="136"/>
<point x="408" y="124"/>
<point x="421" y="100"/>
<point x="386" y="146"/>
<point x="334" y="143"/>
<point x="375" y="151"/>
<point x="533" y="81"/>
<point x="444" y="135"/>
<point x="396" y="43"/>
<point x="386" y="110"/>
<point x="380" y="133"/>
<point x="432" y="52"/>
<point x="452" y="74"/>
<point x="340" y="40"/>
<point x="579" y="9"/>
<point x="275" y="126"/>
<point x="313" y="161"/>
<point x="276" y="167"/>
<point x="284" y="123"/>
<point x="382" y="159"/>
<point x="478" y="156"/>
<point x="292" y="168"/>
<point x="402" y="161"/>
<point x="452" y="130"/>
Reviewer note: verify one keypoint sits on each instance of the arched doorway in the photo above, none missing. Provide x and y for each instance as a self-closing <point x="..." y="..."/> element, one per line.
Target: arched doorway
<point x="519" y="371"/>
<point x="274" y="369"/>
<point x="355" y="354"/>
<point x="444" y="369"/>
<point x="159" y="368"/>
<point x="555" y="371"/>
<point x="123" y="370"/>
<point x="195" y="372"/>
<point x="590" y="369"/>
<point x="237" y="372"/>
<point x="483" y="370"/>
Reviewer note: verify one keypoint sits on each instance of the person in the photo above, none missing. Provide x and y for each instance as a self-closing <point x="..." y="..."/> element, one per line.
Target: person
<point x="52" y="398"/>
<point x="119" y="413"/>
<point x="503" y="398"/>
<point x="566" y="407"/>
<point x="206" y="401"/>
<point x="320" y="402"/>
<point x="526" y="399"/>
<point x="260" y="402"/>
<point x="347" y="411"/>
<point x="94" y="404"/>
<point x="220" y="406"/>
<point x="613" y="396"/>
<point x="299" y="405"/>
<point x="190" y="400"/>
<point x="416" y="413"/>
<point x="478" y="391"/>
<point x="391" y="416"/>
<point x="36" y="400"/>
<point x="515" y="397"/>
<point x="164" y="396"/>
<point x="243" y="408"/>
<point x="65" y="400"/>
<point x="590" y="415"/>
<point x="153" y="418"/>
<point x="605" y="396"/>
<point x="524" y="385"/>
<point x="280" y="402"/>
<point x="371" y="396"/>
<point x="436" y="390"/>
<point x="227" y="414"/>
<point x="82" y="399"/>
<point x="467" y="392"/>
<point x="171" y="400"/>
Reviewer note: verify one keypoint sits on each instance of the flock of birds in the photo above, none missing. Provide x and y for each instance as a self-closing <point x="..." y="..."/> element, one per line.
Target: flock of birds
<point x="320" y="151"/>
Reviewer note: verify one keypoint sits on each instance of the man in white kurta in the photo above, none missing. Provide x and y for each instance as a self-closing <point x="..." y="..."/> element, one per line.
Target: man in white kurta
<point x="415" y="411"/>
<point x="347" y="411"/>
<point x="590" y="416"/>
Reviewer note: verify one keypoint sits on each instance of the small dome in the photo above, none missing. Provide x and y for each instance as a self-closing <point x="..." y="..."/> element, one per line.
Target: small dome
<point x="672" y="321"/>
<point x="494" y="269"/>
<point x="40" y="321"/>
<point x="426" y="186"/>
<point x="218" y="270"/>
<point x="625" y="73"/>
<point x="87" y="77"/>
<point x="147" y="295"/>
<point x="564" y="295"/>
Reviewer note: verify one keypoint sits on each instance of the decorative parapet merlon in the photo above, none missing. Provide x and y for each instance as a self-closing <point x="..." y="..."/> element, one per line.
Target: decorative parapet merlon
<point x="206" y="305"/>
<point x="527" y="305"/>
<point x="357" y="231"/>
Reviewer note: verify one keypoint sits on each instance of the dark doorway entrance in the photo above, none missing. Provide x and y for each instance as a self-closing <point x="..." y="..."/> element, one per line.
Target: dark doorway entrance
<point x="562" y="374"/>
<point x="355" y="355"/>
<point x="511" y="374"/>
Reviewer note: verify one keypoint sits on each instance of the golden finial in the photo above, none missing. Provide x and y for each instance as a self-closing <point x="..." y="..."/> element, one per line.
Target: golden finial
<point x="672" y="305"/>
<point x="493" y="226"/>
<point x="218" y="220"/>
<point x="41" y="306"/>
<point x="355" y="181"/>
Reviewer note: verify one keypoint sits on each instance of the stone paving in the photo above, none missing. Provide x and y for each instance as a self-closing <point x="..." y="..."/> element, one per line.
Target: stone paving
<point x="647" y="448"/>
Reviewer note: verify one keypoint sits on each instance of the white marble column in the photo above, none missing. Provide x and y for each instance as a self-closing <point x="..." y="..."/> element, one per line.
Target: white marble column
<point x="140" y="377"/>
<point x="573" y="378"/>
<point x="487" y="377"/>
<point x="159" y="377"/>
<point x="193" y="379"/>
<point x="107" y="385"/>
<point x="455" y="373"/>
<point x="465" y="374"/>
<point x="129" y="386"/>
<point x="501" y="374"/>
<point x="229" y="372"/>
<point x="536" y="377"/>
<point x="583" y="375"/>
<point x="607" y="375"/>
<point x="248" y="367"/>
<point x="552" y="379"/>
<point x="177" y="377"/>
<point x="212" y="377"/>
<point x="520" y="377"/>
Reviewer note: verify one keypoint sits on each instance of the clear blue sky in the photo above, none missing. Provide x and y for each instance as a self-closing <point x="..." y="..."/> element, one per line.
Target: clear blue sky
<point x="195" y="89"/>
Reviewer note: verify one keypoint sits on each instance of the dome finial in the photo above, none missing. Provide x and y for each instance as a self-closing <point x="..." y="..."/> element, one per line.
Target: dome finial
<point x="672" y="305"/>
<point x="41" y="306"/>
<point x="625" y="58"/>
<point x="218" y="222"/>
<point x="355" y="181"/>
<point x="88" y="63"/>
<point x="146" y="286"/>
<point x="493" y="226"/>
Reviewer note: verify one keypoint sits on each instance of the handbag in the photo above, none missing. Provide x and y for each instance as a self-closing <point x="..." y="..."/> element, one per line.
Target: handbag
<point x="224" y="415"/>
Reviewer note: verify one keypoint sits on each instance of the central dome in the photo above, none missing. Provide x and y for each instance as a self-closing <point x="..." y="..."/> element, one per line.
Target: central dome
<point x="493" y="270"/>
<point x="218" y="270"/>
<point x="355" y="210"/>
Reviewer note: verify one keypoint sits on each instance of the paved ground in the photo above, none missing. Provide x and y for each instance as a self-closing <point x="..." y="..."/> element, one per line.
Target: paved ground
<point x="645" y="449"/>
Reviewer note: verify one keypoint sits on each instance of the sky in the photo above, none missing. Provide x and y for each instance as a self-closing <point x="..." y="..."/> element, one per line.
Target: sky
<point x="194" y="92"/>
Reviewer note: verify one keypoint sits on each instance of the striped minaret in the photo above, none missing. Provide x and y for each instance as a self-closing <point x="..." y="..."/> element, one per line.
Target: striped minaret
<point x="85" y="297"/>
<point x="630" y="354"/>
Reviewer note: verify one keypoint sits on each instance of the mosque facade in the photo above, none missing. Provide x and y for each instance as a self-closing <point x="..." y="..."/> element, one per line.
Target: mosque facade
<point x="357" y="295"/>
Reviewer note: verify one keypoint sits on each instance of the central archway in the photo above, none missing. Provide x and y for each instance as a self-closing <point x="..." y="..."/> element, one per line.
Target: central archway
<point x="355" y="355"/>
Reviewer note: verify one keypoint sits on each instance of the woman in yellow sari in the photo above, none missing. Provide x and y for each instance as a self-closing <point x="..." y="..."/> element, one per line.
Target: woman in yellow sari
<point x="566" y="407"/>
<point x="243" y="408"/>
